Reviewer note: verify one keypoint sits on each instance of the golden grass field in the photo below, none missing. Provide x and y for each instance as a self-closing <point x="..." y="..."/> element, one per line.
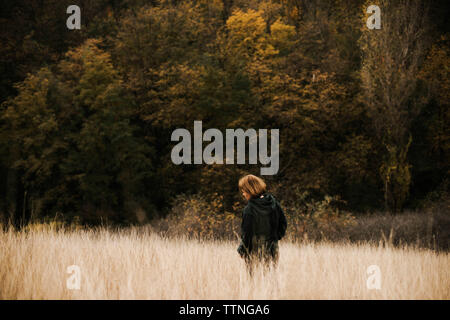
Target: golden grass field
<point x="138" y="264"/>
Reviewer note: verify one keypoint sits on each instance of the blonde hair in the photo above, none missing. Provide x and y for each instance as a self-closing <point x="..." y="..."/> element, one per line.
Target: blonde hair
<point x="252" y="185"/>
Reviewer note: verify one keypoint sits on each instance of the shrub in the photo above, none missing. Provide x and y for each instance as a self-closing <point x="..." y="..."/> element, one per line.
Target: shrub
<point x="316" y="219"/>
<point x="196" y="216"/>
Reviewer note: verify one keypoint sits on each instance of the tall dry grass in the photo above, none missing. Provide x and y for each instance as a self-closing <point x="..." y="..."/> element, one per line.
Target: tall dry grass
<point x="138" y="264"/>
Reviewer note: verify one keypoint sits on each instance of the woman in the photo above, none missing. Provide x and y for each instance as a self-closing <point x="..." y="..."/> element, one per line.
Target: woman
<point x="263" y="223"/>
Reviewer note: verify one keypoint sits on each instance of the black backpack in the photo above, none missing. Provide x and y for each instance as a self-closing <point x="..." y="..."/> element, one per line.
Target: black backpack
<point x="271" y="224"/>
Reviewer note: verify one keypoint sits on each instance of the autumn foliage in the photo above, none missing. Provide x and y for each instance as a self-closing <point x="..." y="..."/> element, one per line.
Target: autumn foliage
<point x="87" y="115"/>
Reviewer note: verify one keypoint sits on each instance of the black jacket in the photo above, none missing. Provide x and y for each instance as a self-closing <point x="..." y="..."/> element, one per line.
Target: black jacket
<point x="262" y="216"/>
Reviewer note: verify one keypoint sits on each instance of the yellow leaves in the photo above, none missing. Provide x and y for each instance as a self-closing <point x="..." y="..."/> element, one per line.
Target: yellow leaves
<point x="283" y="36"/>
<point x="242" y="23"/>
<point x="247" y="36"/>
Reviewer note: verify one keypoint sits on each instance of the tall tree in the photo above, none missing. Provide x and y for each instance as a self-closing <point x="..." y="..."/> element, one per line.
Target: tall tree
<point x="77" y="148"/>
<point x="392" y="57"/>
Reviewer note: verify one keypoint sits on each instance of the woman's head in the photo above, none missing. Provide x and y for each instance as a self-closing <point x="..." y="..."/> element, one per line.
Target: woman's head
<point x="251" y="186"/>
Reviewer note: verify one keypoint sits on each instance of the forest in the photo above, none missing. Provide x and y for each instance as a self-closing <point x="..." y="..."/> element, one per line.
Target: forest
<point x="87" y="114"/>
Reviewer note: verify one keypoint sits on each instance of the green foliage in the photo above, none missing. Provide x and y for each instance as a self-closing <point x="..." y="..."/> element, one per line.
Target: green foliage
<point x="77" y="146"/>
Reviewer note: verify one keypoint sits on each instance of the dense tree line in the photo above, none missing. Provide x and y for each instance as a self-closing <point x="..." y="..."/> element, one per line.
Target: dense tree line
<point x="87" y="115"/>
